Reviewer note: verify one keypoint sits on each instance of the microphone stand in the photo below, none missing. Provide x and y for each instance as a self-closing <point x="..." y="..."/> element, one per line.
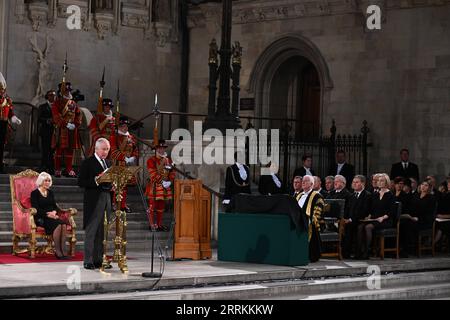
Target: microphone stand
<point x="150" y="274"/>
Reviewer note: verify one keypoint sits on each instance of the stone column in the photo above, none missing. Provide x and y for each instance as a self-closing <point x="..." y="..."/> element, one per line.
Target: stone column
<point x="4" y="14"/>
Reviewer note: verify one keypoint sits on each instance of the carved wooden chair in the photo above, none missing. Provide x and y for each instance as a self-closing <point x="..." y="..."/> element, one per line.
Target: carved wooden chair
<point x="24" y="226"/>
<point x="392" y="233"/>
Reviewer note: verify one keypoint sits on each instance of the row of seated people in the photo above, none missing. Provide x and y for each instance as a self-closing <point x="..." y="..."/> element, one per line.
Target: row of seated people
<point x="373" y="208"/>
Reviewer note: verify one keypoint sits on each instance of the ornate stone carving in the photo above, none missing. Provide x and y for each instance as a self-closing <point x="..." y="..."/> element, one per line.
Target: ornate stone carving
<point x="162" y="32"/>
<point x="135" y="16"/>
<point x="103" y="23"/>
<point x="44" y="67"/>
<point x="38" y="12"/>
<point x="267" y="10"/>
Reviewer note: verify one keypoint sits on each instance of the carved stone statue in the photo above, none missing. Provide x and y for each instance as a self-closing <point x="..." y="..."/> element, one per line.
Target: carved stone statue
<point x="44" y="67"/>
<point x="237" y="53"/>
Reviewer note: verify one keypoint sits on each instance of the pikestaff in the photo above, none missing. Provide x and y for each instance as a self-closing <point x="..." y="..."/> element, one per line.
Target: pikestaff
<point x="67" y="118"/>
<point x="103" y="123"/>
<point x="162" y="175"/>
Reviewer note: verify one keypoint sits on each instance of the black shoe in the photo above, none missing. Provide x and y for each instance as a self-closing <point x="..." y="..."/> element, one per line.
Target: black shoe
<point x="99" y="266"/>
<point x="127" y="209"/>
<point x="61" y="257"/>
<point x="89" y="266"/>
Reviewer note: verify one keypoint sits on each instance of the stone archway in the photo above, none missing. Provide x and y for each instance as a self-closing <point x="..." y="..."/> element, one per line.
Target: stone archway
<point x="285" y="50"/>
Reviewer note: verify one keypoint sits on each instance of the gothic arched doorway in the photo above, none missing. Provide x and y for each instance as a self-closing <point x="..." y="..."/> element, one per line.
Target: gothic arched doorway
<point x="295" y="94"/>
<point x="291" y="80"/>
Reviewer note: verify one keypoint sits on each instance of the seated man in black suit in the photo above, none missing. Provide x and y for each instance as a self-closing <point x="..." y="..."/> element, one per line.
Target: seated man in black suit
<point x="297" y="185"/>
<point x="318" y="186"/>
<point x="340" y="191"/>
<point x="358" y="208"/>
<point x="404" y="168"/>
<point x="342" y="168"/>
<point x="270" y="184"/>
<point x="237" y="179"/>
<point x="306" y="170"/>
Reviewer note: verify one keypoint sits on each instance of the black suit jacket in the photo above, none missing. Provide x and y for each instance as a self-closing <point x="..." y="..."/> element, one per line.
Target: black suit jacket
<point x="267" y="185"/>
<point x="344" y="194"/>
<point x="233" y="182"/>
<point x="301" y="172"/>
<point x="348" y="171"/>
<point x="359" y="208"/>
<point x="45" y="120"/>
<point x="91" y="168"/>
<point x="412" y="171"/>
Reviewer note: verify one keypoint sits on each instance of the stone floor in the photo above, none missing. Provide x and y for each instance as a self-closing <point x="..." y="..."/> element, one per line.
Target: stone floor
<point x="61" y="279"/>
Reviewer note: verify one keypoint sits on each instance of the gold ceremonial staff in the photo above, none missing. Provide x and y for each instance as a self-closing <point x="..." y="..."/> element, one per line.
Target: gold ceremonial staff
<point x="119" y="177"/>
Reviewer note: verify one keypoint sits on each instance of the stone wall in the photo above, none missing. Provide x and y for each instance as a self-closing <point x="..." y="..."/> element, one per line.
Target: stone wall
<point x="397" y="78"/>
<point x="144" y="56"/>
<point x="4" y="4"/>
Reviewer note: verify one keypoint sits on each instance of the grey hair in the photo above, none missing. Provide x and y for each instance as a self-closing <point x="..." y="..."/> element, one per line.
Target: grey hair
<point x="329" y="178"/>
<point x="298" y="177"/>
<point x="310" y="178"/>
<point x="361" y="178"/>
<point x="101" y="141"/>
<point x="40" y="179"/>
<point x="341" y="178"/>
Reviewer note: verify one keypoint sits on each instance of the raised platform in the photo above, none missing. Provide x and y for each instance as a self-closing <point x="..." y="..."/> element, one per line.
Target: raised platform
<point x="211" y="279"/>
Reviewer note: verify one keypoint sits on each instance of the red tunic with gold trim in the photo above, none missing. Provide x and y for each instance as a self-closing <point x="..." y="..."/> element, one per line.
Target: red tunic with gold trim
<point x="6" y="113"/>
<point x="6" y="108"/>
<point x="101" y="127"/>
<point x="124" y="146"/>
<point x="63" y="113"/>
<point x="158" y="172"/>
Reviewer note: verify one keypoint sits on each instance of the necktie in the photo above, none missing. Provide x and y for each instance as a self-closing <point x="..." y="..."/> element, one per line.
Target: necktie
<point x="104" y="164"/>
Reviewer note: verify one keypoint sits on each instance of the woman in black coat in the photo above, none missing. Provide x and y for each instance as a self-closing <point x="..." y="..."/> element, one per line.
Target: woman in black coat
<point x="381" y="217"/>
<point x="43" y="200"/>
<point x="420" y="217"/>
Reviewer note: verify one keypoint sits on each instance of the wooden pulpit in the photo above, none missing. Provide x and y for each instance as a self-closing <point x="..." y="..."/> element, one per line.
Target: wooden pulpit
<point x="192" y="238"/>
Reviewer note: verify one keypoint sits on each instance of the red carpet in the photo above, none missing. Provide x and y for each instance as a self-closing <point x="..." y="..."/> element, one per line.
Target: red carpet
<point x="24" y="258"/>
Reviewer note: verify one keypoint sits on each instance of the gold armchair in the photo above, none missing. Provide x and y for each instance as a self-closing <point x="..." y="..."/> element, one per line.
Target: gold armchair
<point x="24" y="226"/>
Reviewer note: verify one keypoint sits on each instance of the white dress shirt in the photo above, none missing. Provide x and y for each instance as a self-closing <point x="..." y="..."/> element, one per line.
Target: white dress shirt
<point x="242" y="171"/>
<point x="276" y="180"/>
<point x="308" y="172"/>
<point x="339" y="167"/>
<point x="302" y="200"/>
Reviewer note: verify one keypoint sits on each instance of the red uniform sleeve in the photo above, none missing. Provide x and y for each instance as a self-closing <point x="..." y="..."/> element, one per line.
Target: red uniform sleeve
<point x="57" y="118"/>
<point x="78" y="117"/>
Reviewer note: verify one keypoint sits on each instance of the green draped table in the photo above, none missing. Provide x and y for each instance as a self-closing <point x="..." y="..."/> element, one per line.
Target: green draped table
<point x="261" y="238"/>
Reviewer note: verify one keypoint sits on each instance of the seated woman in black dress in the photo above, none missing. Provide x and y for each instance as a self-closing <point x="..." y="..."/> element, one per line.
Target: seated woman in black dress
<point x="420" y="217"/>
<point x="382" y="208"/>
<point x="42" y="199"/>
<point x="443" y="211"/>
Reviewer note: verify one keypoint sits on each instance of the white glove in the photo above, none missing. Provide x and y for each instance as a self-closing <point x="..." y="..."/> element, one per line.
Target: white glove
<point x="70" y="126"/>
<point x="16" y="120"/>
<point x="130" y="160"/>
<point x="227" y="201"/>
<point x="166" y="184"/>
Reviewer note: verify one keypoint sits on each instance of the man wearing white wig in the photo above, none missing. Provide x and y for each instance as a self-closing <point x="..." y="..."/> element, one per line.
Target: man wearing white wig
<point x="6" y="115"/>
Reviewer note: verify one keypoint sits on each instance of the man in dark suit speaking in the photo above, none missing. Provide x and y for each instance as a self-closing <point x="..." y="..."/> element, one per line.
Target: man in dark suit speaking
<point x="97" y="201"/>
<point x="404" y="168"/>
